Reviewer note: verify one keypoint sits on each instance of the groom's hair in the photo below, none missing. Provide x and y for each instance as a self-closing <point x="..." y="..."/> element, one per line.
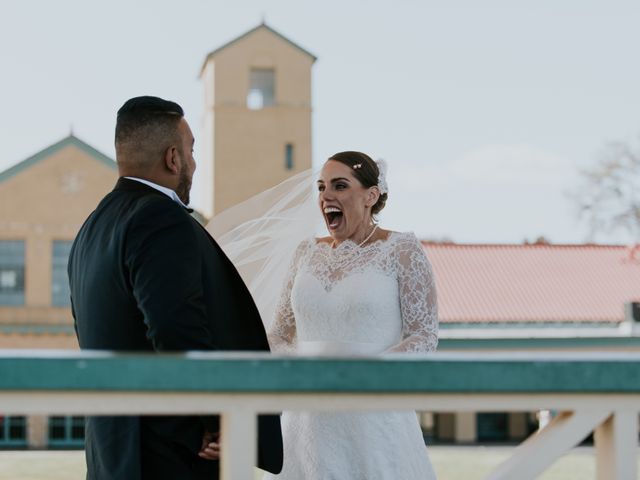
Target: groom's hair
<point x="145" y="127"/>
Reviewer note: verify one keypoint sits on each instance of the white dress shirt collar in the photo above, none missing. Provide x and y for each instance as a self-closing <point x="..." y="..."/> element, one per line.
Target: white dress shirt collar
<point x="167" y="191"/>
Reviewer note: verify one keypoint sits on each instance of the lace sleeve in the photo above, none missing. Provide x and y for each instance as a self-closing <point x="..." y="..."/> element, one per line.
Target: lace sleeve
<point x="418" y="300"/>
<point x="282" y="334"/>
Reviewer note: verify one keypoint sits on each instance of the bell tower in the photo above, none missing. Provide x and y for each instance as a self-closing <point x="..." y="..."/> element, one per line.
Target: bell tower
<point x="257" y="117"/>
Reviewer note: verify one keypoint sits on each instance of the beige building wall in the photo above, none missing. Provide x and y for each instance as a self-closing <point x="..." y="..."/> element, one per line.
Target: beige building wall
<point x="245" y="149"/>
<point x="47" y="198"/>
<point x="37" y="431"/>
<point x="465" y="429"/>
<point x="63" y="341"/>
<point x="517" y="425"/>
<point x="446" y="426"/>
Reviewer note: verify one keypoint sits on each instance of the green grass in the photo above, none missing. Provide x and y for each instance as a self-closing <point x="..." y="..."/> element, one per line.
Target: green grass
<point x="451" y="463"/>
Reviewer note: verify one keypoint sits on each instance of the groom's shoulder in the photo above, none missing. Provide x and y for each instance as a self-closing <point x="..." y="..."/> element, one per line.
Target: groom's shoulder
<point x="137" y="199"/>
<point x="133" y="208"/>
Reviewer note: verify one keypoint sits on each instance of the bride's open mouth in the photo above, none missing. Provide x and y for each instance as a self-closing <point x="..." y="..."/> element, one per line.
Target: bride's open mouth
<point x="333" y="216"/>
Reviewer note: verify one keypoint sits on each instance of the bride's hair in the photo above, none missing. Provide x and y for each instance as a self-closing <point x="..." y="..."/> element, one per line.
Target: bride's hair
<point x="366" y="171"/>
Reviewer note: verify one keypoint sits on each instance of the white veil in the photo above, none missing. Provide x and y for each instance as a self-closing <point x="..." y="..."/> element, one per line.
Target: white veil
<point x="261" y="234"/>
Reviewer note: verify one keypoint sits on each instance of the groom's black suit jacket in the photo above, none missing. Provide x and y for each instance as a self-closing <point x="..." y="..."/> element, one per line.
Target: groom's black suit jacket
<point x="145" y="276"/>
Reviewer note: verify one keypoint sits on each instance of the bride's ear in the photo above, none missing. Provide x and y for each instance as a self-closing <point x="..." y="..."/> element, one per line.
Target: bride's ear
<point x="372" y="196"/>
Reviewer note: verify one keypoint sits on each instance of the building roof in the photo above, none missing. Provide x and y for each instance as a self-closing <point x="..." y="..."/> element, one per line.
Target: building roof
<point x="244" y="35"/>
<point x="534" y="283"/>
<point x="47" y="152"/>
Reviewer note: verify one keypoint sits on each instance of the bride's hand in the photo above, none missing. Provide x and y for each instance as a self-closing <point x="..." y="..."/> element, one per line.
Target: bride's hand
<point x="210" y="449"/>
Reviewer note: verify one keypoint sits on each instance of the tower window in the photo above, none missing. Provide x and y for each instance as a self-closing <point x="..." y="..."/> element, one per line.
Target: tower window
<point x="288" y="156"/>
<point x="261" y="88"/>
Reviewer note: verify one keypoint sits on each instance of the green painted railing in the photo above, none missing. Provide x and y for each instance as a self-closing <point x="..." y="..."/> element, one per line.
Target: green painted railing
<point x="249" y="372"/>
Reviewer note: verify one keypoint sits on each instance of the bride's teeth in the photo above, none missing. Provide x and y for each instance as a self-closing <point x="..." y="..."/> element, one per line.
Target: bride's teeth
<point x="332" y="210"/>
<point x="334" y="215"/>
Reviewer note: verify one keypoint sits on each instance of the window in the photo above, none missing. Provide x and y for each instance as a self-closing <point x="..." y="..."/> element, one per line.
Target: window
<point x="261" y="88"/>
<point x="11" y="272"/>
<point x="66" y="432"/>
<point x="492" y="427"/>
<point x="288" y="156"/>
<point x="13" y="431"/>
<point x="59" y="278"/>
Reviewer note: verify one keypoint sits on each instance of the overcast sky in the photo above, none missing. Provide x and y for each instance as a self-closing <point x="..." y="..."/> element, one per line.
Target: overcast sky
<point x="485" y="110"/>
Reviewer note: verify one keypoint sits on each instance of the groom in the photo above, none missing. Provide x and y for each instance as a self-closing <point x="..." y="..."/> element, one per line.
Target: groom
<point x="145" y="276"/>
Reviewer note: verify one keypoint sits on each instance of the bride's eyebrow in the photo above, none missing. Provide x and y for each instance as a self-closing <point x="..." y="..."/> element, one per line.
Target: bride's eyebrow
<point x="334" y="180"/>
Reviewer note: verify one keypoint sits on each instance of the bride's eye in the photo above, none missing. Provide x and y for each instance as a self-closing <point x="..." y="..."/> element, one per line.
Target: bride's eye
<point x="340" y="186"/>
<point x="321" y="188"/>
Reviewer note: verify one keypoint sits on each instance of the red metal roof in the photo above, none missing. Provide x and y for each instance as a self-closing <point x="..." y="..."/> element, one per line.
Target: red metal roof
<point x="534" y="283"/>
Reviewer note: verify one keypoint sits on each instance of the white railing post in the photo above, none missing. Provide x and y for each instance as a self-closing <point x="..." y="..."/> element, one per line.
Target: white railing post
<point x="616" y="442"/>
<point x="540" y="450"/>
<point x="238" y="448"/>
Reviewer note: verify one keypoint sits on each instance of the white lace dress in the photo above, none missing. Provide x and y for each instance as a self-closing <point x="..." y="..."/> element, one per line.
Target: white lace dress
<point x="361" y="301"/>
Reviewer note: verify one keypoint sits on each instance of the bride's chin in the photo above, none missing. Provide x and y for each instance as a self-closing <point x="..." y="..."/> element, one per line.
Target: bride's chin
<point x="337" y="238"/>
<point x="332" y="234"/>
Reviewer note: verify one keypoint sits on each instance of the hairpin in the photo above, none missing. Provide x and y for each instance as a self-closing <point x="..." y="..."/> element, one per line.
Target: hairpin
<point x="357" y="166"/>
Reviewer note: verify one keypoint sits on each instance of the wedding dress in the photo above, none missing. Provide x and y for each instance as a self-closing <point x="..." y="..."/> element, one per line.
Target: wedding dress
<point x="354" y="300"/>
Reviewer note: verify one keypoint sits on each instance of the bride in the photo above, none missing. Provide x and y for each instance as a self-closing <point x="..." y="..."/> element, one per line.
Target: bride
<point x="361" y="290"/>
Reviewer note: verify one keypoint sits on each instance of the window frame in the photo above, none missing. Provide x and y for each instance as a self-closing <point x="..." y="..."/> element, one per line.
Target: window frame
<point x="13" y="259"/>
<point x="8" y="422"/>
<point x="67" y="423"/>
<point x="60" y="298"/>
<point x="264" y="97"/>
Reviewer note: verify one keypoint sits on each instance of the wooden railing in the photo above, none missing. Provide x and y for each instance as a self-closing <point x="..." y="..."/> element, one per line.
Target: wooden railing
<point x="592" y="392"/>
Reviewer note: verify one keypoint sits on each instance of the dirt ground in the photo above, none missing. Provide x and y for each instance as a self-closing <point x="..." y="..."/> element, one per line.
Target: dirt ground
<point x="450" y="463"/>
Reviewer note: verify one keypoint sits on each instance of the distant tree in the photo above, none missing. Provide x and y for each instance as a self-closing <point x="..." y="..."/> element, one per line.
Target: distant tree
<point x="609" y="199"/>
<point x="540" y="240"/>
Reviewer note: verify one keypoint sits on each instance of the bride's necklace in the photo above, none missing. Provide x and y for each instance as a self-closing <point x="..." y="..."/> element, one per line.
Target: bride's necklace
<point x="375" y="227"/>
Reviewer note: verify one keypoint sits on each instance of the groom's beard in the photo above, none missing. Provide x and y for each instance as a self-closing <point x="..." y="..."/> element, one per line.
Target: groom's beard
<point x="184" y="188"/>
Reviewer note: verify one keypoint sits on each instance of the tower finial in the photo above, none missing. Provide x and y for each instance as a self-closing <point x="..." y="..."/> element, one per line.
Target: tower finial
<point x="264" y="19"/>
<point x="71" y="129"/>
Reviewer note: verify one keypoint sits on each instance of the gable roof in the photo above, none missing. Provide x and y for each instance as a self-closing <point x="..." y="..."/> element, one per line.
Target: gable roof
<point x="47" y="152"/>
<point x="534" y="283"/>
<point x="245" y="35"/>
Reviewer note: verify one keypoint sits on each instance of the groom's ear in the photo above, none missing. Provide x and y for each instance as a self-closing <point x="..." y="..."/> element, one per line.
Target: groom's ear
<point x="171" y="161"/>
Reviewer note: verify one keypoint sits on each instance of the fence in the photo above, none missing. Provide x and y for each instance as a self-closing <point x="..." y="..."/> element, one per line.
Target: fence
<point x="592" y="392"/>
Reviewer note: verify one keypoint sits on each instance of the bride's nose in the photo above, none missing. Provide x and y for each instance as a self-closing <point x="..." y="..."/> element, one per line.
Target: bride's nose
<point x="325" y="195"/>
